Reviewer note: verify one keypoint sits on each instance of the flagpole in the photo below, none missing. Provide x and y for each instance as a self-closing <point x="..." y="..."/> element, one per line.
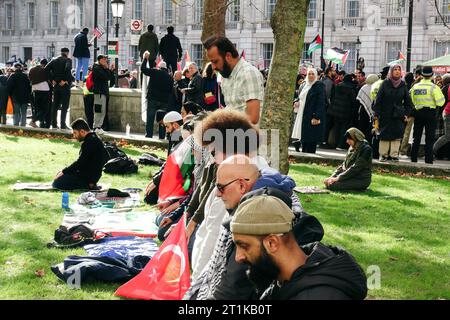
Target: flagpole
<point x="95" y="26"/>
<point x="322" y="61"/>
<point x="408" y="50"/>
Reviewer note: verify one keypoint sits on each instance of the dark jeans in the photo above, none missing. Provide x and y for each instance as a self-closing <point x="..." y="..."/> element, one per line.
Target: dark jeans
<point x="61" y="100"/>
<point x="329" y="137"/>
<point x="152" y="107"/>
<point x="70" y="182"/>
<point x="89" y="109"/>
<point x="41" y="108"/>
<point x="309" y="147"/>
<point x="424" y="118"/>
<point x="172" y="64"/>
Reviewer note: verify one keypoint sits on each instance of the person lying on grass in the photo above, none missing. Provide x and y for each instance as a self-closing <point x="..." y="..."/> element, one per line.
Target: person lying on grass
<point x="86" y="171"/>
<point x="355" y="173"/>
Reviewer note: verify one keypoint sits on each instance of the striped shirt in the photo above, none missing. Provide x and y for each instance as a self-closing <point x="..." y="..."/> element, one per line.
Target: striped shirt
<point x="245" y="83"/>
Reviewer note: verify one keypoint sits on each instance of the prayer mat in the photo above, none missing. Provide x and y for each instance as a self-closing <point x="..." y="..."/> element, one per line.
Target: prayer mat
<point x="310" y="190"/>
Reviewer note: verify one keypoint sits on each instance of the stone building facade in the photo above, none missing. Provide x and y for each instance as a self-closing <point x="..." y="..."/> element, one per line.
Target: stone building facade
<point x="39" y="28"/>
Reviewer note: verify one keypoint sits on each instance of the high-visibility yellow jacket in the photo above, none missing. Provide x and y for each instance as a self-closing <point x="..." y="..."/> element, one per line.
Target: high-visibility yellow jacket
<point x="426" y="94"/>
<point x="375" y="88"/>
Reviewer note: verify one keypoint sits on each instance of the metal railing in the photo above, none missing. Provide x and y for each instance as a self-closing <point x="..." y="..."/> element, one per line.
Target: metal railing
<point x="438" y="20"/>
<point x="394" y="21"/>
<point x="349" y="22"/>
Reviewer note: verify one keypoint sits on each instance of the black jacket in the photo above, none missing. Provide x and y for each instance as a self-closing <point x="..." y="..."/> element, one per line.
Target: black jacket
<point x="391" y="106"/>
<point x="3" y="92"/>
<point x="81" y="46"/>
<point x="101" y="78"/>
<point x="330" y="273"/>
<point x="194" y="90"/>
<point x="19" y="87"/>
<point x="314" y="109"/>
<point x="170" y="48"/>
<point x="343" y="101"/>
<point x="60" y="68"/>
<point x="160" y="83"/>
<point x="91" y="160"/>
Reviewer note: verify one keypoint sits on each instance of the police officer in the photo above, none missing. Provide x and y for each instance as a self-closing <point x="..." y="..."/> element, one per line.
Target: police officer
<point x="59" y="71"/>
<point x="426" y="96"/>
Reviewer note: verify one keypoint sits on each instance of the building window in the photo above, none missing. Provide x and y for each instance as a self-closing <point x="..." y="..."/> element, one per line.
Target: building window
<point x="79" y="13"/>
<point x="137" y="12"/>
<point x="270" y="7"/>
<point x="266" y="52"/>
<point x="444" y="7"/>
<point x="167" y="12"/>
<point x="8" y="16"/>
<point x="305" y="56"/>
<point x="108" y="14"/>
<point x="441" y="48"/>
<point x="312" y="10"/>
<point x="395" y="8"/>
<point x="198" y="11"/>
<point x="134" y="56"/>
<point x="352" y="8"/>
<point x="350" y="64"/>
<point x="31" y="15"/>
<point x="54" y="13"/>
<point x="197" y="54"/>
<point x="234" y="11"/>
<point x="5" y="54"/>
<point x="392" y="50"/>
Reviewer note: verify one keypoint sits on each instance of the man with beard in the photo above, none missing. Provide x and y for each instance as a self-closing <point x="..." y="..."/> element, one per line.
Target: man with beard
<point x="85" y="172"/>
<point x="242" y="84"/>
<point x="223" y="278"/>
<point x="265" y="241"/>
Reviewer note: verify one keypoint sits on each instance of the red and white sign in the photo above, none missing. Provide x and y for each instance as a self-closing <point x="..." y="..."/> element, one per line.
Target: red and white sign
<point x="136" y="25"/>
<point x="441" y="69"/>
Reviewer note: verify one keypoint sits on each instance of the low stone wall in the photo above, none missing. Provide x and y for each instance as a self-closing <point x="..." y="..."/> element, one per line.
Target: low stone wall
<point x="124" y="107"/>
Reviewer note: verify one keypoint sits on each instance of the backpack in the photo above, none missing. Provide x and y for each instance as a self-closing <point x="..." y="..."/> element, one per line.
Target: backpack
<point x="121" y="165"/>
<point x="150" y="159"/>
<point x="90" y="82"/>
<point x="113" y="151"/>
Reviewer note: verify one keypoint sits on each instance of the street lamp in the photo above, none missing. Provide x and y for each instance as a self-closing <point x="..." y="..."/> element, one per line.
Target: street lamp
<point x="358" y="47"/>
<point x="117" y="12"/>
<point x="52" y="50"/>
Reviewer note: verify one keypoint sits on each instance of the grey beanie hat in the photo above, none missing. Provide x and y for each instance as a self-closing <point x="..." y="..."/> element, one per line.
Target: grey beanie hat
<point x="262" y="215"/>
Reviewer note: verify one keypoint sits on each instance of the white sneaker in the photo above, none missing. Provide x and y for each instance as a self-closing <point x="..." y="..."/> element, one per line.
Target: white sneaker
<point x="99" y="131"/>
<point x="403" y="156"/>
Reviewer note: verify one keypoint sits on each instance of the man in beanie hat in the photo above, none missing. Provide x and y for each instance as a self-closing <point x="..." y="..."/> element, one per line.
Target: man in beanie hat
<point x="426" y="97"/>
<point x="173" y="122"/>
<point x="41" y="91"/>
<point x="265" y="241"/>
<point x="59" y="72"/>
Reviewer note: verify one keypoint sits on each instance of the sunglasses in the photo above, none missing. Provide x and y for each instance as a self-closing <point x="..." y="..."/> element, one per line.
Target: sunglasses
<point x="221" y="187"/>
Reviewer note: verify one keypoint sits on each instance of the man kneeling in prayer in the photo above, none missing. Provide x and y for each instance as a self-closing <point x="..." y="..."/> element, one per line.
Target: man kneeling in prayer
<point x="86" y="171"/>
<point x="356" y="171"/>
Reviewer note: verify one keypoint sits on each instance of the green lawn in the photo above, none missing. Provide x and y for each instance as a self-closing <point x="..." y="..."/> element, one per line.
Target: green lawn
<point x="401" y="225"/>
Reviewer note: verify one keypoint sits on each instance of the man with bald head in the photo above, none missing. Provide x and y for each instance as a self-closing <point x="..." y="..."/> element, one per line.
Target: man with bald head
<point x="223" y="278"/>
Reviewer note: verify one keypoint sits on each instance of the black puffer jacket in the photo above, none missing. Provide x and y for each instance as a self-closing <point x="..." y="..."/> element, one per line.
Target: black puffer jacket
<point x="19" y="87"/>
<point x="60" y="69"/>
<point x="330" y="273"/>
<point x="391" y="106"/>
<point x="170" y="47"/>
<point x="343" y="101"/>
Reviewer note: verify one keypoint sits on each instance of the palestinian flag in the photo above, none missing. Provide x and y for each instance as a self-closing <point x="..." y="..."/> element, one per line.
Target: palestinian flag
<point x="315" y="44"/>
<point x="401" y="58"/>
<point x="176" y="177"/>
<point x="337" y="55"/>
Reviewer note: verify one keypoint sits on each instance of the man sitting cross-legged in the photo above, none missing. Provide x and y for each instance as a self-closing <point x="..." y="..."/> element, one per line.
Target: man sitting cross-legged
<point x="86" y="171"/>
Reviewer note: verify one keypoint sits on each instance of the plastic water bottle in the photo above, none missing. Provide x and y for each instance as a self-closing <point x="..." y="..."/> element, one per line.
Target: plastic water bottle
<point x="128" y="129"/>
<point x="65" y="200"/>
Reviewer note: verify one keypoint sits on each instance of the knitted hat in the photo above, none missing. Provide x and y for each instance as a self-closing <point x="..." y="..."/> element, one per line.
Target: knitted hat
<point x="172" y="116"/>
<point x="262" y="215"/>
<point x="372" y="78"/>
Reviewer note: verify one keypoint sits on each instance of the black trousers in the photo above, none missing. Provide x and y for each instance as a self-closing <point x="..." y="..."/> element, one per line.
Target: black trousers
<point x="42" y="108"/>
<point x="61" y="100"/>
<point x="89" y="109"/>
<point x="172" y="64"/>
<point x="340" y="127"/>
<point x="424" y="118"/>
<point x="309" y="147"/>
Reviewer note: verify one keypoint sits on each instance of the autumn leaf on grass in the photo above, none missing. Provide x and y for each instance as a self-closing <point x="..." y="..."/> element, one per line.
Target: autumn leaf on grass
<point x="393" y="258"/>
<point x="29" y="201"/>
<point x="40" y="273"/>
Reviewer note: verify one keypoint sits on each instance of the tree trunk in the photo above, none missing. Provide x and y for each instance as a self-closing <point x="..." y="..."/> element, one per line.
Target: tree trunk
<point x="288" y="24"/>
<point x="213" y="20"/>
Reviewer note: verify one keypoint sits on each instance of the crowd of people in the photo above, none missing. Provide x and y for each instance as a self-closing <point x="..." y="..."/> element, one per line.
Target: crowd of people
<point x="391" y="109"/>
<point x="248" y="235"/>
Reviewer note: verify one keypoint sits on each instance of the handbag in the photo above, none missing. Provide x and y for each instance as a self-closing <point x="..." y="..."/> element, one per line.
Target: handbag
<point x="210" y="98"/>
